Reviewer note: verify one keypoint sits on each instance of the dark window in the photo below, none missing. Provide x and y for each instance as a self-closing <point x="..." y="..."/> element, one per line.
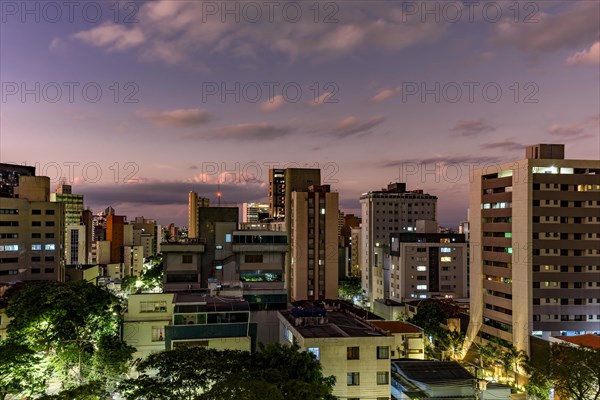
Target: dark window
<point x="186" y="259"/>
<point x="253" y="258"/>
<point x="353" y="353"/>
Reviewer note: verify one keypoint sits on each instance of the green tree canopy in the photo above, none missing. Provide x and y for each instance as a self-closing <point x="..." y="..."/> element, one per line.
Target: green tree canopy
<point x="74" y="327"/>
<point x="573" y="371"/>
<point x="21" y="370"/>
<point x="430" y="316"/>
<point x="350" y="288"/>
<point x="196" y="373"/>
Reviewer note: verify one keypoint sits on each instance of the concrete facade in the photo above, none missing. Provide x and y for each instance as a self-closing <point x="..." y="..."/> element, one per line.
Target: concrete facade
<point x="535" y="258"/>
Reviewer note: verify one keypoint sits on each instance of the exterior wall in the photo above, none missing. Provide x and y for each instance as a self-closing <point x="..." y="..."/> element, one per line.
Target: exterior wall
<point x="355" y="261"/>
<point x="133" y="257"/>
<point x="115" y="235"/>
<point x="180" y="275"/>
<point x="241" y="336"/>
<point x="409" y="345"/>
<point x="101" y="252"/>
<point x="138" y="324"/>
<point x="450" y="274"/>
<point x="31" y="234"/>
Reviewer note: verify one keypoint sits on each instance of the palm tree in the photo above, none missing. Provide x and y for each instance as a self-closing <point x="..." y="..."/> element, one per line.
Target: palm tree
<point x="451" y="343"/>
<point x="514" y="359"/>
<point x="493" y="356"/>
<point x="487" y="354"/>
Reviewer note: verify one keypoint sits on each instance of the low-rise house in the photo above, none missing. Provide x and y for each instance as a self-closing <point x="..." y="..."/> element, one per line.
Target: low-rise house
<point x="354" y="351"/>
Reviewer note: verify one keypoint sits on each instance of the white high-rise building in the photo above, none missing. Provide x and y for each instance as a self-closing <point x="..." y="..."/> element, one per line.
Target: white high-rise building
<point x="389" y="210"/>
<point x="535" y="248"/>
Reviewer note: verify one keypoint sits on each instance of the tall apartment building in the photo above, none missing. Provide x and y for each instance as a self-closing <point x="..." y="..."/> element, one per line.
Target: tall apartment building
<point x="254" y="212"/>
<point x="115" y="234"/>
<point x="535" y="247"/>
<point x="31" y="229"/>
<point x="314" y="244"/>
<point x="73" y="212"/>
<point x="9" y="177"/>
<point x="75" y="245"/>
<point x="385" y="211"/>
<point x="282" y="183"/>
<point x="425" y="265"/>
<point x="277" y="193"/>
<point x="146" y="233"/>
<point x="194" y="203"/>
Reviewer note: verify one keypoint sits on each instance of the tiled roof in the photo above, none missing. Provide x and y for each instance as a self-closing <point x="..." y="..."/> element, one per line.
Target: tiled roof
<point x="589" y="340"/>
<point x="397" y="326"/>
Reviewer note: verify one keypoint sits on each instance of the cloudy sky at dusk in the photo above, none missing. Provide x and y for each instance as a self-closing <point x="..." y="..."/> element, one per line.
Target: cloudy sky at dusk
<point x="369" y="91"/>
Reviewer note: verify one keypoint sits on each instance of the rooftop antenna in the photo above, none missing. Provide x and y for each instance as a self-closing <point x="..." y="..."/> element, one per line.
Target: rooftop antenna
<point x="219" y="192"/>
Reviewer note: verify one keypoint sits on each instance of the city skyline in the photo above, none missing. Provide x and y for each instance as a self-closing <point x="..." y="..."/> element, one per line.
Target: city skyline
<point x="169" y="122"/>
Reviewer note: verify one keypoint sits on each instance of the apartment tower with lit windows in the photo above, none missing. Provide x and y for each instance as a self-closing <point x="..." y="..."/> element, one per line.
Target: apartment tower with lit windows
<point x="535" y="248"/>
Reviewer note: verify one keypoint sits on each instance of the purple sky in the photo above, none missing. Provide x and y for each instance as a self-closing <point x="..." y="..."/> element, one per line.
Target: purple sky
<point x="369" y="91"/>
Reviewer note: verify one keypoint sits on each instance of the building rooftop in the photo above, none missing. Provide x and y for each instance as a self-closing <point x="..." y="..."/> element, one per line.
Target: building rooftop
<point x="390" y="302"/>
<point x="589" y="340"/>
<point x="334" y="324"/>
<point x="432" y="371"/>
<point x="197" y="302"/>
<point x="397" y="327"/>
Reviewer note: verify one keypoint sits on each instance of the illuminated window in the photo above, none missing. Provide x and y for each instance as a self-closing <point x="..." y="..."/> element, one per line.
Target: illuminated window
<point x="445" y="250"/>
<point x="10" y="247"/>
<point x="383" y="352"/>
<point x="545" y="170"/>
<point x="153" y="306"/>
<point x="322" y="211"/>
<point x="383" y="377"/>
<point x="509" y="250"/>
<point x="421" y="268"/>
<point x="316" y="351"/>
<point x="507" y="234"/>
<point x="36" y="247"/>
<point x="228" y="237"/>
<point x="50" y="247"/>
<point x="158" y="333"/>
<point x="421" y="287"/>
<point x="445" y="259"/>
